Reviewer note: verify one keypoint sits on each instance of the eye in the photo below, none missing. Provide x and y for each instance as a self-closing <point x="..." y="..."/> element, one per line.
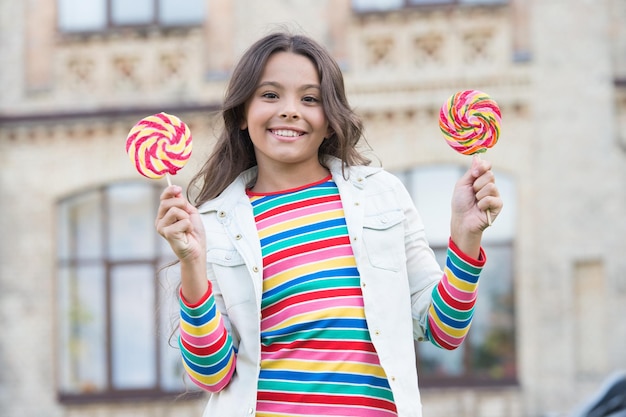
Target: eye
<point x="269" y="95"/>
<point x="311" y="99"/>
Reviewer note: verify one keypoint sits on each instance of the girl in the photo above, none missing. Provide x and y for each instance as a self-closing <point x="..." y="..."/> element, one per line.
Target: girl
<point x="305" y="273"/>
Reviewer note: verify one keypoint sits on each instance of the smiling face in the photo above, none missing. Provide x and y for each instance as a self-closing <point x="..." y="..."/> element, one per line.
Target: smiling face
<point x="285" y="117"/>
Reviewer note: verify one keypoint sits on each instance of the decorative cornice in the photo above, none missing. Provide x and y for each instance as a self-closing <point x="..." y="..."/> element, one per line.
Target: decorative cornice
<point x="105" y="113"/>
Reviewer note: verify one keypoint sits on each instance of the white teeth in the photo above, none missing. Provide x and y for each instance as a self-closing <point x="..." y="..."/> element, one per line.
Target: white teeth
<point x="286" y="133"/>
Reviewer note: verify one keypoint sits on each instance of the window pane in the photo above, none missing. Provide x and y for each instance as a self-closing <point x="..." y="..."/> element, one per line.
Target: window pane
<point x="492" y="336"/>
<point x="135" y="12"/>
<point x="81" y="15"/>
<point x="80" y="227"/>
<point x="435" y="362"/>
<point x="133" y="327"/>
<point x="82" y="336"/>
<point x="172" y="371"/>
<point x="431" y="189"/>
<point x="132" y="210"/>
<point x="373" y="5"/>
<point x="181" y="12"/>
<point x="503" y="228"/>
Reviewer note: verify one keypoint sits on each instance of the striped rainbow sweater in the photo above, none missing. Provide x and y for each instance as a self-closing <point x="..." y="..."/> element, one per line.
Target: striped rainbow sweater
<point x="315" y="345"/>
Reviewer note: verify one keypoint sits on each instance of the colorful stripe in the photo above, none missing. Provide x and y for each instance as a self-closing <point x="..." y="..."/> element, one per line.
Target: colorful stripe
<point x="205" y="345"/>
<point x="452" y="307"/>
<point x="316" y="354"/>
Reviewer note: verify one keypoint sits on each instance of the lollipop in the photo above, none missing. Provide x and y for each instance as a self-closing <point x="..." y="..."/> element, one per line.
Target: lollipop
<point x="470" y="123"/>
<point x="159" y="145"/>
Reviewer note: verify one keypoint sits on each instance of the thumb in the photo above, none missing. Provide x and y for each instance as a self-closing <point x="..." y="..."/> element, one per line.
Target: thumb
<point x="479" y="166"/>
<point x="472" y="173"/>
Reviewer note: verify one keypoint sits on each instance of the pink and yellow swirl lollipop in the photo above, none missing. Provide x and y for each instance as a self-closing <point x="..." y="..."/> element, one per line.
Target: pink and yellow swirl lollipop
<point x="159" y="145"/>
<point x="470" y="122"/>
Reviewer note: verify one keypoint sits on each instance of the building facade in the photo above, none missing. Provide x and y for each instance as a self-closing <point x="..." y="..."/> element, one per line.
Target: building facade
<point x="86" y="327"/>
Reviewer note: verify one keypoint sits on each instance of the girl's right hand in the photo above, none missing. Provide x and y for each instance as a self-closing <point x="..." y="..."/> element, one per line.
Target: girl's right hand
<point x="178" y="221"/>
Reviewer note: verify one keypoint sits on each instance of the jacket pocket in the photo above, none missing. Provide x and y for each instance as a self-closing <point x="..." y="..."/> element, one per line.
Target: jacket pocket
<point x="231" y="275"/>
<point x="224" y="257"/>
<point x="383" y="238"/>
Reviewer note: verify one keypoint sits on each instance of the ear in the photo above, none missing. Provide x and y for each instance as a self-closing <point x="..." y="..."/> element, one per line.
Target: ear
<point x="329" y="132"/>
<point x="244" y="124"/>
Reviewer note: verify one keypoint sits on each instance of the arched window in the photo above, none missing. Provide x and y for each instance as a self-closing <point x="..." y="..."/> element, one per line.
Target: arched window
<point x="116" y="312"/>
<point x="488" y="354"/>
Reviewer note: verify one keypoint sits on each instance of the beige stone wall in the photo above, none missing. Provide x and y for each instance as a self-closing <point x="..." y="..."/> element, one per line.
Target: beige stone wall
<point x="551" y="65"/>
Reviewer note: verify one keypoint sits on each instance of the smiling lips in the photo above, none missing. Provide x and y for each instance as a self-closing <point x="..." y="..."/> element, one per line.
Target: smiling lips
<point x="286" y="133"/>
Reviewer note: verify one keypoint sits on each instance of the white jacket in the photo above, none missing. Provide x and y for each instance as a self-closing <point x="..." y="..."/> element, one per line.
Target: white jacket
<point x="398" y="272"/>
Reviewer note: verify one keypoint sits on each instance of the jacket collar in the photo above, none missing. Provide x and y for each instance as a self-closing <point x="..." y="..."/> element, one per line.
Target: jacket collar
<point x="356" y="175"/>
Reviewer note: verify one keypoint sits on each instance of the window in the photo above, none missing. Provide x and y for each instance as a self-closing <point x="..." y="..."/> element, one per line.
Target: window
<point x="116" y="311"/>
<point x="102" y="15"/>
<point x="488" y="354"/>
<point x="384" y="5"/>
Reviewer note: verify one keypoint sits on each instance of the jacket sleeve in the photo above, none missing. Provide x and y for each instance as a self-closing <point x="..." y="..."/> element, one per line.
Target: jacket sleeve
<point x="452" y="307"/>
<point x="206" y="346"/>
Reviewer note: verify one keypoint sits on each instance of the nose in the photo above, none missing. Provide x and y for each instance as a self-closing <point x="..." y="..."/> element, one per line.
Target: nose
<point x="289" y="115"/>
<point x="290" y="111"/>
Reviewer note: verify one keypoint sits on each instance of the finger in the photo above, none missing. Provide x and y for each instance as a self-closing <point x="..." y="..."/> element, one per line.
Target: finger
<point x="178" y="230"/>
<point x="470" y="176"/>
<point x="166" y="206"/>
<point x="171" y="198"/>
<point x="479" y="166"/>
<point x="491" y="206"/>
<point x="485" y="190"/>
<point x="483" y="179"/>
<point x="173" y="216"/>
<point x="171" y="191"/>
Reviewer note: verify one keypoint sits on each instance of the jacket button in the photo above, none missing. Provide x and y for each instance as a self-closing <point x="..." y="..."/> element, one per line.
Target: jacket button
<point x="221" y="214"/>
<point x="250" y="410"/>
<point x="238" y="237"/>
<point x="255" y="268"/>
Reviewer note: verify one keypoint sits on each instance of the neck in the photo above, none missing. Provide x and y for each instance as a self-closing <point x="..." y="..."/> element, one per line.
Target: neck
<point x="278" y="178"/>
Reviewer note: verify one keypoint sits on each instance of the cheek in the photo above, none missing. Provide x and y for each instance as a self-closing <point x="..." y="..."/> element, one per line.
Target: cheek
<point x="245" y="116"/>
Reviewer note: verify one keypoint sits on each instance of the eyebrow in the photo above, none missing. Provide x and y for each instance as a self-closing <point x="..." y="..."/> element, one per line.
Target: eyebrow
<point x="279" y="85"/>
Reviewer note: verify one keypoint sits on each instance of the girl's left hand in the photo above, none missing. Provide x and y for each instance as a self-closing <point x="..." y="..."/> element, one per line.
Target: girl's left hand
<point x="475" y="193"/>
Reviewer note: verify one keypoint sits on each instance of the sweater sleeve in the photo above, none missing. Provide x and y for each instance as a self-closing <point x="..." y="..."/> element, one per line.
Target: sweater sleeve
<point x="452" y="307"/>
<point x="205" y="344"/>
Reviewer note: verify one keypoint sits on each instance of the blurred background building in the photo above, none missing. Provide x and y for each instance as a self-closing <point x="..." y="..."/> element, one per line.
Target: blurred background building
<point x="85" y="327"/>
